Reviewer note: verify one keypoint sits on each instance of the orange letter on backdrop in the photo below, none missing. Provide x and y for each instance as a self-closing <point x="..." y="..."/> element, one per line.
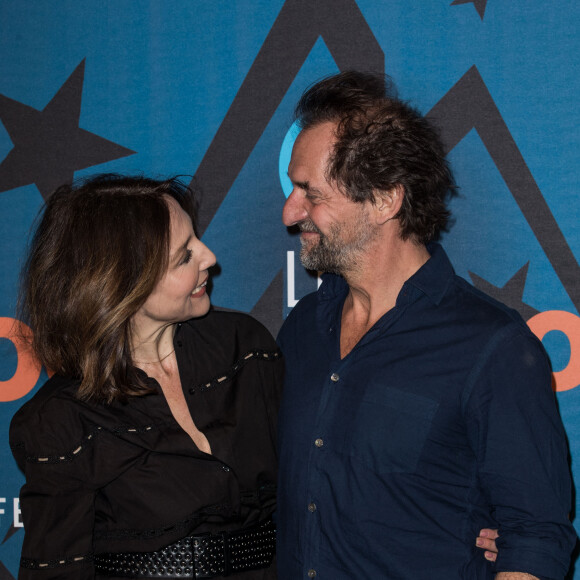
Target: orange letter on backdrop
<point x="27" y="369"/>
<point x="569" y="324"/>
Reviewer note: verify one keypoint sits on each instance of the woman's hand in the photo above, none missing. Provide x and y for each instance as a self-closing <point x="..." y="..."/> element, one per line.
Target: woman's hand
<point x="486" y="541"/>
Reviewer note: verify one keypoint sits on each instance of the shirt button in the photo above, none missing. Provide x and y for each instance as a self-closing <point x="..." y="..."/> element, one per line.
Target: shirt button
<point x="225" y="468"/>
<point x="334" y="378"/>
<point x="312" y="507"/>
<point x="319" y="442"/>
<point x="311" y="573"/>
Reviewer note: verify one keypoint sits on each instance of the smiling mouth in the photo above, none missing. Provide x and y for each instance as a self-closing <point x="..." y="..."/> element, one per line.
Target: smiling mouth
<point x="199" y="288"/>
<point x="308" y="227"/>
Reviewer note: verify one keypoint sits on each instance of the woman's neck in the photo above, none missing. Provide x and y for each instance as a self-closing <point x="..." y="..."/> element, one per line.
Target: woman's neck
<point x="153" y="348"/>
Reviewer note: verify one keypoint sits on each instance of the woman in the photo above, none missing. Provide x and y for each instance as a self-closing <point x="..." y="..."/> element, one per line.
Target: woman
<point x="151" y="450"/>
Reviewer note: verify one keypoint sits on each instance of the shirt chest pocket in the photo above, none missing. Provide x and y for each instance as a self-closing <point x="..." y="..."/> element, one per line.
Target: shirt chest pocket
<point x="390" y="428"/>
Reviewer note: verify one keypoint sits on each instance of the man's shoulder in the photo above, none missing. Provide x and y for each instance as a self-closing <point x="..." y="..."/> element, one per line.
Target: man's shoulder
<point x="454" y="293"/>
<point x="489" y="329"/>
<point x="485" y="308"/>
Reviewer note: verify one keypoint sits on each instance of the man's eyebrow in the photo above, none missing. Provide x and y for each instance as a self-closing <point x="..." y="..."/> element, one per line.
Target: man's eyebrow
<point x="305" y="186"/>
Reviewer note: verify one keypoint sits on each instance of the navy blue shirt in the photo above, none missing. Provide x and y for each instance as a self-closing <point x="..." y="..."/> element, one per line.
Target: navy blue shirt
<point x="441" y="421"/>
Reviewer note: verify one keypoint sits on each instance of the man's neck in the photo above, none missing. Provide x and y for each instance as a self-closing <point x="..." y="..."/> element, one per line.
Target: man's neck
<point x="375" y="285"/>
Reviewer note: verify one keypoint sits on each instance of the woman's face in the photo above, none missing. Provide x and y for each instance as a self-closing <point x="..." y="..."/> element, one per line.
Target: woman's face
<point x="181" y="292"/>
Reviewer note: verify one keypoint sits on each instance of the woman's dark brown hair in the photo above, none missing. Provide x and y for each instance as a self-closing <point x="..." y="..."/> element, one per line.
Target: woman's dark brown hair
<point x="99" y="249"/>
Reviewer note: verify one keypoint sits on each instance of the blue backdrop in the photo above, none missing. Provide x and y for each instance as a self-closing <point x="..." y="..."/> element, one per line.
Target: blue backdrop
<point x="206" y="89"/>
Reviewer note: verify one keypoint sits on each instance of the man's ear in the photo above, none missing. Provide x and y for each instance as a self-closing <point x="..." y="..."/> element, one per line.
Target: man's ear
<point x="388" y="203"/>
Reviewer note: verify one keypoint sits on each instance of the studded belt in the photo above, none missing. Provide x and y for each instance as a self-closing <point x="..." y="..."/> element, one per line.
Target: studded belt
<point x="203" y="556"/>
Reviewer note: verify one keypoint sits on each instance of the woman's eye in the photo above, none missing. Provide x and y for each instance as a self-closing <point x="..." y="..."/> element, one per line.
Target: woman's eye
<point x="187" y="257"/>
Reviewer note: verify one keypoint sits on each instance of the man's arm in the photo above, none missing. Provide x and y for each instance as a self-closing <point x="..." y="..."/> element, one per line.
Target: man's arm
<point x="486" y="541"/>
<point x="522" y="457"/>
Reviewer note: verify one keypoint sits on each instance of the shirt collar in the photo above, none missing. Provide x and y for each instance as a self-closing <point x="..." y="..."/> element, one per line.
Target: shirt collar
<point x="434" y="276"/>
<point x="432" y="279"/>
<point x="332" y="285"/>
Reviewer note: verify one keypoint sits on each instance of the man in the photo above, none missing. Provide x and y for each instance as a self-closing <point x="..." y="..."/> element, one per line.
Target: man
<point x="417" y="410"/>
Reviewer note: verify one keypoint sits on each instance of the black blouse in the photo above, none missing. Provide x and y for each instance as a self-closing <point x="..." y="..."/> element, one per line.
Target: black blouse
<point x="126" y="477"/>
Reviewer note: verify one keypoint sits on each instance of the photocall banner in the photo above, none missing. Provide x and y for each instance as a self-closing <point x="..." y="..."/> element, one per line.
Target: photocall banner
<point x="206" y="90"/>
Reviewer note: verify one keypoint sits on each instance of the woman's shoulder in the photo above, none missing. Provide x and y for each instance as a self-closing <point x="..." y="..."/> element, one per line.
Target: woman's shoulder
<point x="56" y="398"/>
<point x="51" y="420"/>
<point x="57" y="426"/>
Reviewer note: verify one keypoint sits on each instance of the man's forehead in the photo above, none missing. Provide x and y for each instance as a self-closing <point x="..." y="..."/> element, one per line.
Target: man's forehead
<point x="313" y="146"/>
<point x="322" y="133"/>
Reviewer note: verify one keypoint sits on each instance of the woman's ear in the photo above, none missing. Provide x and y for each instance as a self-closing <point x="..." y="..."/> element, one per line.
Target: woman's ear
<point x="388" y="203"/>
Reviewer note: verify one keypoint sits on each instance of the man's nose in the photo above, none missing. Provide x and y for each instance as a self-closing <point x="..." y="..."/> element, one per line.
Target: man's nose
<point x="294" y="211"/>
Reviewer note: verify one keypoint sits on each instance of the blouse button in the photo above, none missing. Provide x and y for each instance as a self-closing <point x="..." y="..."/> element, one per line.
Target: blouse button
<point x="334" y="378"/>
<point x="311" y="507"/>
<point x="311" y="573"/>
<point x="319" y="442"/>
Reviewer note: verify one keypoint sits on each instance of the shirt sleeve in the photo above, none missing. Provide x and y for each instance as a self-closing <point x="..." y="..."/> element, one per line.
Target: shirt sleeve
<point x="518" y="437"/>
<point x="58" y="519"/>
<point x="57" y="500"/>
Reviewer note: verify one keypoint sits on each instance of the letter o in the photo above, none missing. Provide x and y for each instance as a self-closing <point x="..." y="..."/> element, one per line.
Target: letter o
<point x="27" y="369"/>
<point x="569" y="324"/>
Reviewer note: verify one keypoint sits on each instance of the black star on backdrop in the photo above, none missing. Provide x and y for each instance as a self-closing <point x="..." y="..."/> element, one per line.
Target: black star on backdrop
<point x="11" y="531"/>
<point x="479" y="5"/>
<point x="4" y="574"/>
<point x="49" y="146"/>
<point x="511" y="293"/>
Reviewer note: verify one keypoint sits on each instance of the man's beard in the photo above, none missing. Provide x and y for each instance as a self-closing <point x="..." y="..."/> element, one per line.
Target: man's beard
<point x="339" y="250"/>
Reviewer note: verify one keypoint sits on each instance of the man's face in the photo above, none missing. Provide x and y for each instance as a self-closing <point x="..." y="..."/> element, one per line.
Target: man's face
<point x="335" y="230"/>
